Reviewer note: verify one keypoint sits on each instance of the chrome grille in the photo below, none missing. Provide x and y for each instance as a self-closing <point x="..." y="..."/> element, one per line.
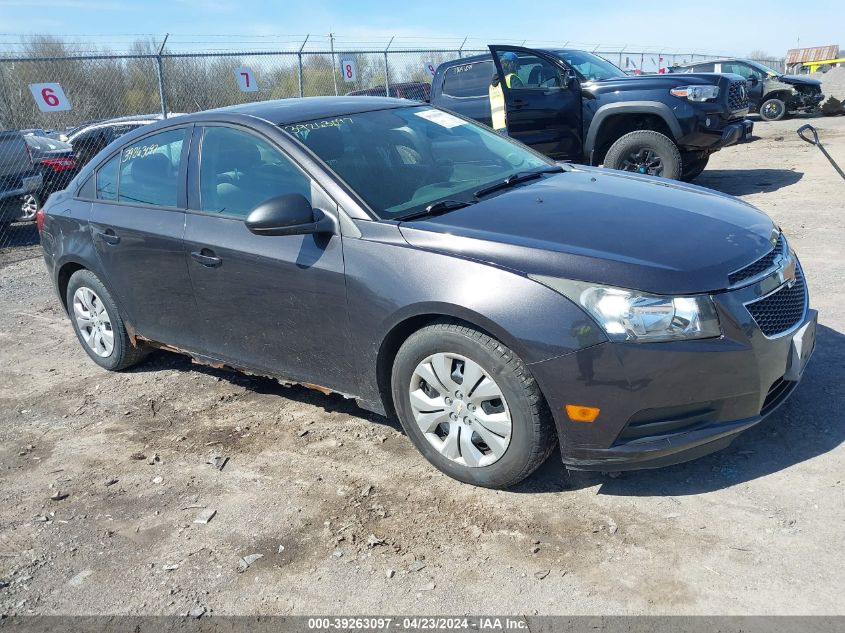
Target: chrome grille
<point x="760" y="266"/>
<point x="738" y="95"/>
<point x="783" y="309"/>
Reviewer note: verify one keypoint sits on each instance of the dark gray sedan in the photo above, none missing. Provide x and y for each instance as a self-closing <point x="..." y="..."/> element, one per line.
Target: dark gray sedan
<point x="496" y="302"/>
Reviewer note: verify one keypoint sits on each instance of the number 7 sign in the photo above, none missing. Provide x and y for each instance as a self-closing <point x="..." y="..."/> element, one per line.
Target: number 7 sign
<point x="49" y="97"/>
<point x="246" y="80"/>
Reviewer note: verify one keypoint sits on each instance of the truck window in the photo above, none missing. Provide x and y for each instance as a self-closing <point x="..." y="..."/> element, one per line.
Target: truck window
<point x="468" y="80"/>
<point x="703" y="68"/>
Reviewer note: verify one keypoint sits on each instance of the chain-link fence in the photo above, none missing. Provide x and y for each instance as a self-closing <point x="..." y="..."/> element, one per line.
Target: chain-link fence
<point x="67" y="107"/>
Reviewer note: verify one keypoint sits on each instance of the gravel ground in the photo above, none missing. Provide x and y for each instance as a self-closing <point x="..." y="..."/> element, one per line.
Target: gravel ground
<point x="833" y="82"/>
<point x="104" y="476"/>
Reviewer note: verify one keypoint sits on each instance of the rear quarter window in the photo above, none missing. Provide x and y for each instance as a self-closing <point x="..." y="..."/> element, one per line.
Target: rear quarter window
<point x="468" y="80"/>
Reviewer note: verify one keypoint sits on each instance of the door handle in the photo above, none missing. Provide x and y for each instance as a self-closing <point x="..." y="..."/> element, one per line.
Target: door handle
<point x="109" y="236"/>
<point x="519" y="103"/>
<point x="207" y="258"/>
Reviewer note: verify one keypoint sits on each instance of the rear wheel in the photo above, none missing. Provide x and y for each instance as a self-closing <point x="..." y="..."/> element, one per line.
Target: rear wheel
<point x="470" y="406"/>
<point x="98" y="324"/>
<point x="772" y="110"/>
<point x="30" y="203"/>
<point x="645" y="152"/>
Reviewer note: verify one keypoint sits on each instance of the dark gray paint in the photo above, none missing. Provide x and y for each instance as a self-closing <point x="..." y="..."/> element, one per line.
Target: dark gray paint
<point x="324" y="308"/>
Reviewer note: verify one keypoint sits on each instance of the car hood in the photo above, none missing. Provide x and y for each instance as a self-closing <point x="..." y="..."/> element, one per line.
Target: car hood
<point x="645" y="82"/>
<point x="797" y="80"/>
<point x="606" y="227"/>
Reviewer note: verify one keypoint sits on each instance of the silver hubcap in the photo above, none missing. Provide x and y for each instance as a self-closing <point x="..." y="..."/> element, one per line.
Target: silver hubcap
<point x="460" y="409"/>
<point x="93" y="321"/>
<point x="29" y="207"/>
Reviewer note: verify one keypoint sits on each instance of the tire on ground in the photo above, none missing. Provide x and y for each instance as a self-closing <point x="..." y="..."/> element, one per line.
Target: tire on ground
<point x="124" y="353"/>
<point x="633" y="142"/>
<point x="533" y="435"/>
<point x="772" y="110"/>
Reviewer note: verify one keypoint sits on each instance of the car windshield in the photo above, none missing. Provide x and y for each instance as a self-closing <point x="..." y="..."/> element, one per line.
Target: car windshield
<point x="401" y="160"/>
<point x="591" y="67"/>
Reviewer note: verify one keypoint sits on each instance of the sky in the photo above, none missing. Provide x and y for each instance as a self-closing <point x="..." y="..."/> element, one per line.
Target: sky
<point x="715" y="26"/>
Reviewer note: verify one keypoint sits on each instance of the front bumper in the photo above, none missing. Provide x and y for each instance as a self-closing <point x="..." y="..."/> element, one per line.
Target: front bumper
<point x="666" y="403"/>
<point x="717" y="135"/>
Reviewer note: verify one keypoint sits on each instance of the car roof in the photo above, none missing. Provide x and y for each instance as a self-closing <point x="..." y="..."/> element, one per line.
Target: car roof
<point x="294" y="110"/>
<point x="487" y="56"/>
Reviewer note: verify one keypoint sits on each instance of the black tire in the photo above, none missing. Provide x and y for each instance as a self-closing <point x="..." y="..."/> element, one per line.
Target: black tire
<point x="693" y="168"/>
<point x="772" y="110"/>
<point x="123" y="354"/>
<point x="533" y="435"/>
<point x="645" y="152"/>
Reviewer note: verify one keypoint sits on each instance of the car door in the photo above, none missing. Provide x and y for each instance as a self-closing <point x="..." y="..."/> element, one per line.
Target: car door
<point x="544" y="105"/>
<point x="273" y="303"/>
<point x="137" y="222"/>
<point x="752" y="76"/>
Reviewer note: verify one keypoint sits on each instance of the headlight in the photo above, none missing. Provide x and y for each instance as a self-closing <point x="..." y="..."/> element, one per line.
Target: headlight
<point x="695" y="93"/>
<point x="631" y="315"/>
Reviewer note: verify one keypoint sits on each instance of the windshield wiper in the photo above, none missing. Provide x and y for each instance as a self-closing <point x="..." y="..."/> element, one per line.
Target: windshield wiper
<point x="516" y="178"/>
<point x="436" y="208"/>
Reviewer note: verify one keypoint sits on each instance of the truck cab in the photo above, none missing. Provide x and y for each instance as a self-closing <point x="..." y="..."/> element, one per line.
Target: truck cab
<point x="575" y="106"/>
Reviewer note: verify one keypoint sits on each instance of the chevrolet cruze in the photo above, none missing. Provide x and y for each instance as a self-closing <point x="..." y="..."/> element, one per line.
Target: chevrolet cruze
<point x="498" y="303"/>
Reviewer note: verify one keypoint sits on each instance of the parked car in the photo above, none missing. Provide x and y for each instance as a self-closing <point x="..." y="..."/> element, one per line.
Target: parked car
<point x="413" y="90"/>
<point x="576" y="106"/>
<point x="770" y="93"/>
<point x="57" y="164"/>
<point x="88" y="140"/>
<point x="412" y="259"/>
<point x="19" y="177"/>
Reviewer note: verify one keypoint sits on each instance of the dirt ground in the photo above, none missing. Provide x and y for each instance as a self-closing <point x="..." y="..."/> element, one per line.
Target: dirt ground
<point x="349" y="519"/>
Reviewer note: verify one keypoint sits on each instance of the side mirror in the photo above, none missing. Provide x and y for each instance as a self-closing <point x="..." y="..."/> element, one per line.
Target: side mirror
<point x="567" y="78"/>
<point x="291" y="214"/>
<point x="753" y="80"/>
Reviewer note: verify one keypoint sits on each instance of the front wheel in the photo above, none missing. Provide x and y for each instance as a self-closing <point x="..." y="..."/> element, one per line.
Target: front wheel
<point x="98" y="323"/>
<point x="645" y="152"/>
<point x="772" y="110"/>
<point x="471" y="406"/>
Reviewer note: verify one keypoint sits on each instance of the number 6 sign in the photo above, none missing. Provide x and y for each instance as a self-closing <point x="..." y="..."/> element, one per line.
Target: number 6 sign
<point x="246" y="80"/>
<point x="430" y="68"/>
<point x="49" y="97"/>
<point x="348" y="70"/>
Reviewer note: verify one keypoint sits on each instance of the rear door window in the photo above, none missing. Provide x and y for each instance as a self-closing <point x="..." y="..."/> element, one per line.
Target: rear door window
<point x="149" y="169"/>
<point x="469" y="80"/>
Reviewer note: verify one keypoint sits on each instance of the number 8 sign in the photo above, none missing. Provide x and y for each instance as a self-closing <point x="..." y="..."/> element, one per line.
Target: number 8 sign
<point x="49" y="97"/>
<point x="348" y="70"/>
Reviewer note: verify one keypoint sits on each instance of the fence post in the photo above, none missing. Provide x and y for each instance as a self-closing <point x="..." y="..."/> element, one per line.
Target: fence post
<point x="334" y="66"/>
<point x="162" y="93"/>
<point x="299" y="63"/>
<point x="387" y="69"/>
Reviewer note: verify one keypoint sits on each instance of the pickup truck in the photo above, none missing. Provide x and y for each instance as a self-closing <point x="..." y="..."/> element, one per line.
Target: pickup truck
<point x="19" y="177"/>
<point x="575" y="106"/>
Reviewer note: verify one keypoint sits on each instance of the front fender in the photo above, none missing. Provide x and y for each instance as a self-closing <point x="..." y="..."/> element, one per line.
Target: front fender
<point x="390" y="283"/>
<point x="608" y="110"/>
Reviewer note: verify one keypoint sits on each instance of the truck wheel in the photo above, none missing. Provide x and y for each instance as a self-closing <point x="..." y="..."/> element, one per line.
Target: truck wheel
<point x="470" y="406"/>
<point x="693" y="168"/>
<point x="772" y="110"/>
<point x="645" y="152"/>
